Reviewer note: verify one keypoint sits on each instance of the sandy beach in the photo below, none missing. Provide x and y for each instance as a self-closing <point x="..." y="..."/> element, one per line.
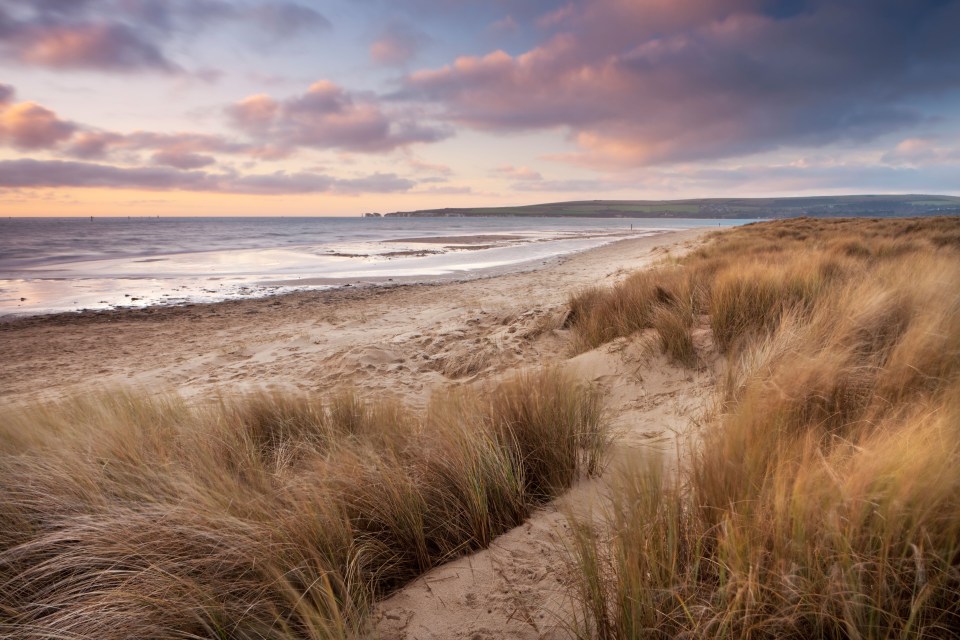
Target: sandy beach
<point x="399" y="339"/>
<point x="404" y="341"/>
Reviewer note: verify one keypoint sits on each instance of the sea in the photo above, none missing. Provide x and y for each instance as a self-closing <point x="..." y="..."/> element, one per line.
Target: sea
<point x="53" y="265"/>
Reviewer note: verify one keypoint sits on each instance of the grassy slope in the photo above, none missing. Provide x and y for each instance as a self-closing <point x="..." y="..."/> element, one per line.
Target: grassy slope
<point x="824" y="500"/>
<point x="266" y="516"/>
<point x="861" y="205"/>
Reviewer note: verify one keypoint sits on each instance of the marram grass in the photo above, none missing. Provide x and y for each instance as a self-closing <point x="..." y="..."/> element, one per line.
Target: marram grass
<point x="824" y="500"/>
<point x="266" y="516"/>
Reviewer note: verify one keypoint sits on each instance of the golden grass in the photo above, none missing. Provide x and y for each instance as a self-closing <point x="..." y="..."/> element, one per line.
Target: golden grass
<point x="824" y="501"/>
<point x="661" y="299"/>
<point x="267" y="516"/>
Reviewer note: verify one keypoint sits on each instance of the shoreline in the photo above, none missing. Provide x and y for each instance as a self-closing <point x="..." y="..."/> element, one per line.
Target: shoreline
<point x="425" y="259"/>
<point x="398" y="339"/>
<point x="321" y="284"/>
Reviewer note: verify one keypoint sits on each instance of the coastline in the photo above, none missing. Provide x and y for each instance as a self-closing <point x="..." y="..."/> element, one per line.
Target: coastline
<point x="135" y="265"/>
<point x="396" y="337"/>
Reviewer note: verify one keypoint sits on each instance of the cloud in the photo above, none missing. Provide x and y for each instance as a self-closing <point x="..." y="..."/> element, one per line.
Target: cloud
<point x="653" y="82"/>
<point x="825" y="177"/>
<point x="397" y="44"/>
<point x="113" y="47"/>
<point x="281" y="183"/>
<point x="556" y="17"/>
<point x="328" y="117"/>
<point x="58" y="173"/>
<point x="254" y="114"/>
<point x="505" y="25"/>
<point x="30" y="173"/>
<point x="921" y="152"/>
<point x="62" y="36"/>
<point x="446" y="190"/>
<point x="29" y="126"/>
<point x="422" y="166"/>
<point x="517" y="173"/>
<point x="182" y="159"/>
<point x="134" y="35"/>
<point x="6" y="94"/>
<point x="182" y="150"/>
<point x="579" y="186"/>
<point x="375" y="183"/>
<point x="284" y="19"/>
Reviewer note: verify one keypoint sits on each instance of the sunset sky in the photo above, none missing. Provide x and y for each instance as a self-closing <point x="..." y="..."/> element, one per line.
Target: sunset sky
<point x="336" y="107"/>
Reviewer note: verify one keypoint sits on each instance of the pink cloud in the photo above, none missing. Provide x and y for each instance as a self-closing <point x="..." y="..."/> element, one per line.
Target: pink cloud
<point x="429" y="167"/>
<point x="28" y="125"/>
<point x="517" y="173"/>
<point x="665" y="81"/>
<point x="328" y="117"/>
<point x="254" y="113"/>
<point x="101" y="46"/>
<point x="556" y="17"/>
<point x="397" y="44"/>
<point x="31" y="126"/>
<point x="923" y="152"/>
<point x="182" y="149"/>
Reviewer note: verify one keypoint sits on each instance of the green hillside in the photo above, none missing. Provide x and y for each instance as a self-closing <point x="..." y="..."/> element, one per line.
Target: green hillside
<point x="820" y="206"/>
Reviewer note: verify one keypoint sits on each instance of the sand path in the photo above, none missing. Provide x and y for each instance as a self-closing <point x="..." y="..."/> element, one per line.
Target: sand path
<point x="520" y="586"/>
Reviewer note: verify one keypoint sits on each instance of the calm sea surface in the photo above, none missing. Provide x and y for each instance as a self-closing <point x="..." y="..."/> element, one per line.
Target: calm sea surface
<point x="69" y="264"/>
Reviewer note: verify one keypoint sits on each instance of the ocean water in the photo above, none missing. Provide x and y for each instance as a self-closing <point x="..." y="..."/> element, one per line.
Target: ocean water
<point x="52" y="265"/>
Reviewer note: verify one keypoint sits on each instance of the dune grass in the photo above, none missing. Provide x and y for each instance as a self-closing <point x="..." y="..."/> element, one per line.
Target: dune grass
<point x="266" y="516"/>
<point x="824" y="500"/>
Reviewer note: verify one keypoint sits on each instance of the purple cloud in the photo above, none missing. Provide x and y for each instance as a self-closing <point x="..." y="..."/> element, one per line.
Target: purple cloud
<point x="397" y="44"/>
<point x="104" y="45"/>
<point x="328" y="117"/>
<point x="375" y="183"/>
<point x="643" y="83"/>
<point x="182" y="159"/>
<point x="26" y="173"/>
<point x="181" y="150"/>
<point x="27" y="125"/>
<point x="30" y="173"/>
<point x="132" y="35"/>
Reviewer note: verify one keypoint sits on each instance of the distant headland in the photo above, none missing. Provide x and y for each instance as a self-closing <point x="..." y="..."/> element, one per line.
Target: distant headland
<point x="817" y="206"/>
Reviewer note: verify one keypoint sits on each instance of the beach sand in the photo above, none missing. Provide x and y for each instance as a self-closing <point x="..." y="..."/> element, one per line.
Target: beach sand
<point x="403" y="340"/>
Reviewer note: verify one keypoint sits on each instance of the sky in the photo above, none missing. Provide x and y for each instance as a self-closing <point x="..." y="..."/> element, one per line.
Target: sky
<point x="339" y="107"/>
